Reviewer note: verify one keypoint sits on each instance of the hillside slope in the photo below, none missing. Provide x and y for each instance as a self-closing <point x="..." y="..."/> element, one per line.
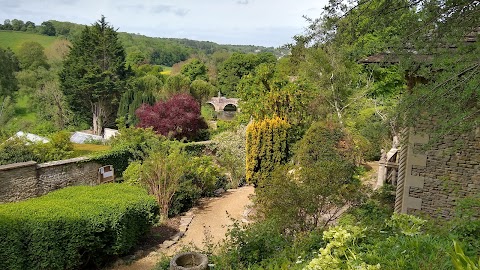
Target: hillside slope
<point x="13" y="39"/>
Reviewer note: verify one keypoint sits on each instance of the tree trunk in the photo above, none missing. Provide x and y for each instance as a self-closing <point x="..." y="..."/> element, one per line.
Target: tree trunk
<point x="100" y="116"/>
<point x="60" y="112"/>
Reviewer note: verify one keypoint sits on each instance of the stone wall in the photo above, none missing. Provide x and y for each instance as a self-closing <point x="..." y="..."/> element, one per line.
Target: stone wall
<point x="448" y="171"/>
<point x="20" y="181"/>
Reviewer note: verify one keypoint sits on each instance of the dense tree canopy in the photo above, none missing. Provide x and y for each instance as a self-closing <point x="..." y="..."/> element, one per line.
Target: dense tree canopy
<point x="179" y="117"/>
<point x="427" y="41"/>
<point x="31" y="56"/>
<point x="195" y="69"/>
<point x="176" y="84"/>
<point x="237" y="66"/>
<point x="8" y="82"/>
<point x="94" y="74"/>
<point x="48" y="29"/>
<point x="202" y="90"/>
<point x="8" y="65"/>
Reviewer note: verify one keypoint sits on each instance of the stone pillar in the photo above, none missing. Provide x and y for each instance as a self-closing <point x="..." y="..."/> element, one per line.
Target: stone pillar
<point x="408" y="159"/>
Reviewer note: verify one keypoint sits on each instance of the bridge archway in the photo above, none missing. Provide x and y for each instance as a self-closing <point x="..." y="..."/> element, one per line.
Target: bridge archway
<point x="210" y="106"/>
<point x="230" y="108"/>
<point x="220" y="103"/>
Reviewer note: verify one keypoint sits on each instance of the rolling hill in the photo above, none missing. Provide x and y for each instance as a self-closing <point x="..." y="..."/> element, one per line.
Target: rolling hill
<point x="13" y="39"/>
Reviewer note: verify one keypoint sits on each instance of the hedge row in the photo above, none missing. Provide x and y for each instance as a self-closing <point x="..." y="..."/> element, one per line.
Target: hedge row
<point x="75" y="227"/>
<point x="120" y="159"/>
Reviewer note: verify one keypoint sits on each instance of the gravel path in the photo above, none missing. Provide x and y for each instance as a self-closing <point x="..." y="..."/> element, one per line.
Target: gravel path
<point x="212" y="215"/>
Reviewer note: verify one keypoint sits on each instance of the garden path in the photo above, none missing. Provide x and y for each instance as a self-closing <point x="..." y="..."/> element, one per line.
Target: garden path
<point x="211" y="218"/>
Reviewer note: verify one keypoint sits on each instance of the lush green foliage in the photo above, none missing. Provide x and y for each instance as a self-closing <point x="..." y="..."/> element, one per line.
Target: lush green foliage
<point x="314" y="192"/>
<point x="195" y="70"/>
<point x="367" y="236"/>
<point x="8" y="82"/>
<point x="263" y="246"/>
<point x="31" y="56"/>
<point x="129" y="145"/>
<point x="201" y="179"/>
<point x="94" y="75"/>
<point x="461" y="261"/>
<point x="266" y="148"/>
<point x="230" y="153"/>
<point x="267" y="92"/>
<point x="74" y="227"/>
<point x="176" y="174"/>
<point x="235" y="67"/>
<point x="14" y="150"/>
<point x="161" y="174"/>
<point x="202" y="90"/>
<point x="440" y="67"/>
<point x="21" y="150"/>
<point x="467" y="221"/>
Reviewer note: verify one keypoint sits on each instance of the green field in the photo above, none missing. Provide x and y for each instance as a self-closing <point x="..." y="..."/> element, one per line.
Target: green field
<point x="166" y="70"/>
<point x="87" y="149"/>
<point x="13" y="40"/>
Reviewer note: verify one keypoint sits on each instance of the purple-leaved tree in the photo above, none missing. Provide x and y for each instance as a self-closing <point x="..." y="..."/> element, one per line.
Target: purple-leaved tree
<point x="178" y="117"/>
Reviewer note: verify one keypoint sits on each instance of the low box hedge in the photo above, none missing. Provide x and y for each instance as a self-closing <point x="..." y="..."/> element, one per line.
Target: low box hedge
<point x="75" y="227"/>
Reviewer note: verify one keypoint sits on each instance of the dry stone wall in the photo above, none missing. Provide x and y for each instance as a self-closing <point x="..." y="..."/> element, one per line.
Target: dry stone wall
<point x="20" y="181"/>
<point x="451" y="172"/>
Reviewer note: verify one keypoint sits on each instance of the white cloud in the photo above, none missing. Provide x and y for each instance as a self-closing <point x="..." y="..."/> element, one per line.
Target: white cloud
<point x="242" y="2"/>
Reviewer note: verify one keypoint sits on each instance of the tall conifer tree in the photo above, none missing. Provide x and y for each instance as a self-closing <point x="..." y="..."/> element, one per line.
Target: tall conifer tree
<point x="94" y="75"/>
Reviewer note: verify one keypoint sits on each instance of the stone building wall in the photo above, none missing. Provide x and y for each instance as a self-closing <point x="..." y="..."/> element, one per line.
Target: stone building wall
<point x="20" y="181"/>
<point x="448" y="171"/>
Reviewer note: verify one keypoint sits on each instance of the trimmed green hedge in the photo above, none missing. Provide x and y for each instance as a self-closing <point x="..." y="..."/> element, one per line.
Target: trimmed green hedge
<point x="119" y="158"/>
<point x="74" y="227"/>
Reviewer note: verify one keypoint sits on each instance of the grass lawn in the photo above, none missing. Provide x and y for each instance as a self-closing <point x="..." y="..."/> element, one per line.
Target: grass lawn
<point x="13" y="40"/>
<point x="87" y="149"/>
<point x="166" y="70"/>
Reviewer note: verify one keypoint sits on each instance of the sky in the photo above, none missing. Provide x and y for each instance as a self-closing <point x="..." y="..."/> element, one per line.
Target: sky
<point x="243" y="22"/>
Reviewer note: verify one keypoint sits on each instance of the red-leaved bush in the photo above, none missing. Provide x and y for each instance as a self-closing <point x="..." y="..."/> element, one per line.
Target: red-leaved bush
<point x="177" y="117"/>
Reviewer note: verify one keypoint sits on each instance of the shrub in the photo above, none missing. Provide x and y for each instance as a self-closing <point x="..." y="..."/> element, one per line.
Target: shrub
<point x="186" y="196"/>
<point x="179" y="117"/>
<point x="74" y="227"/>
<point x="229" y="148"/>
<point x="118" y="157"/>
<point x="466" y="222"/>
<point x="252" y="244"/>
<point x="262" y="246"/>
<point x="312" y="193"/>
<point x="129" y="145"/>
<point x="21" y="150"/>
<point x="461" y="261"/>
<point x="132" y="174"/>
<point x="195" y="149"/>
<point x="161" y="173"/>
<point x="266" y="148"/>
<point x="59" y="147"/>
<point x="14" y="150"/>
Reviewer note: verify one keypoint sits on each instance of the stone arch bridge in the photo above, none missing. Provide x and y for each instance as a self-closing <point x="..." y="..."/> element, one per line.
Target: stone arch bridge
<point x="219" y="103"/>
